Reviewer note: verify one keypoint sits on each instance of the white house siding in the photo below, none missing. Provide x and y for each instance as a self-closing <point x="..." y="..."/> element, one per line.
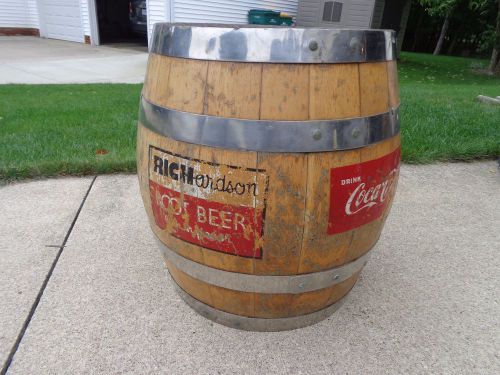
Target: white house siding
<point x="18" y="13"/>
<point x="84" y="12"/>
<point x="288" y="6"/>
<point x="226" y="11"/>
<point x="310" y="12"/>
<point x="33" y="14"/>
<point x="158" y="11"/>
<point x="355" y="13"/>
<point x="211" y="11"/>
<point x="358" y="13"/>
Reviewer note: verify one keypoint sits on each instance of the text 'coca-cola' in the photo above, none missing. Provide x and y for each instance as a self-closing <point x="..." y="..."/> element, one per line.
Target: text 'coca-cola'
<point x="359" y="193"/>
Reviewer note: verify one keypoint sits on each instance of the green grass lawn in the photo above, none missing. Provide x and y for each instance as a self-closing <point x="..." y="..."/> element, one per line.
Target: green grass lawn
<point x="48" y="130"/>
<point x="440" y="119"/>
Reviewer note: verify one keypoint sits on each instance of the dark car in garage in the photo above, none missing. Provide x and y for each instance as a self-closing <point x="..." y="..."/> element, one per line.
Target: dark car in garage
<point x="138" y="17"/>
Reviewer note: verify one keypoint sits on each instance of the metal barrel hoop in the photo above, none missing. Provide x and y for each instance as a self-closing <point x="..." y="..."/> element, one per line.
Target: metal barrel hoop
<point x="267" y="135"/>
<point x="257" y="324"/>
<point x="271" y="44"/>
<point x="288" y="284"/>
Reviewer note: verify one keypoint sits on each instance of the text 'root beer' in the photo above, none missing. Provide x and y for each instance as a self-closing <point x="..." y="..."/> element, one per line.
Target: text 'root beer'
<point x="220" y="207"/>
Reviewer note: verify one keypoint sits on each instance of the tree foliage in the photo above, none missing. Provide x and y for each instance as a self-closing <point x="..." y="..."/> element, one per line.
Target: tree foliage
<point x="438" y="7"/>
<point x="495" y="54"/>
<point x="442" y="7"/>
<point x="470" y="26"/>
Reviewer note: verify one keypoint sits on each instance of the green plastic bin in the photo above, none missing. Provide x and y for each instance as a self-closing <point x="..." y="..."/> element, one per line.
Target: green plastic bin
<point x="268" y="17"/>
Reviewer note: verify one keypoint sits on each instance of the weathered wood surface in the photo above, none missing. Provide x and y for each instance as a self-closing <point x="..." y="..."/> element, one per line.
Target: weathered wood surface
<point x="293" y="189"/>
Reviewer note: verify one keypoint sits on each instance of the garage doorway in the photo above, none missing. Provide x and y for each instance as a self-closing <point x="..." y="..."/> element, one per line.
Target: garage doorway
<point x="122" y="23"/>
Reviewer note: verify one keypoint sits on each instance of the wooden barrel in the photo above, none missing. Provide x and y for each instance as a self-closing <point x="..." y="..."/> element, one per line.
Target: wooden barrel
<point x="268" y="159"/>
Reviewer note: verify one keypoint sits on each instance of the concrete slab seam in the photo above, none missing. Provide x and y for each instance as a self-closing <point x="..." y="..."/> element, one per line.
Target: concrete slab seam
<point x="27" y="321"/>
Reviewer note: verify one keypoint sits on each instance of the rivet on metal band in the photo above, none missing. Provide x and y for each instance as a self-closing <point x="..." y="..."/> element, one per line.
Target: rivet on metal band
<point x="257" y="324"/>
<point x="293" y="284"/>
<point x="271" y="44"/>
<point x="269" y="136"/>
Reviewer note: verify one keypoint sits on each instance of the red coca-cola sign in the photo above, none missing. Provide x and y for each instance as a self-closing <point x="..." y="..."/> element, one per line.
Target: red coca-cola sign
<point x="359" y="193"/>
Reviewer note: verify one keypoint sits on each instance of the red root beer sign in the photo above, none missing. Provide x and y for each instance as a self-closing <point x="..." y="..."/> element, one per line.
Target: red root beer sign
<point x="359" y="193"/>
<point x="216" y="206"/>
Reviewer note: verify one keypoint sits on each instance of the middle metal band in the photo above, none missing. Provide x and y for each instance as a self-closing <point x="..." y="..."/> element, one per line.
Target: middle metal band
<point x="291" y="284"/>
<point x="266" y="135"/>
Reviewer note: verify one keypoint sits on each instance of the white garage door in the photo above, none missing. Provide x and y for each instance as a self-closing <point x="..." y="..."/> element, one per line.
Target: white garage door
<point x="60" y="19"/>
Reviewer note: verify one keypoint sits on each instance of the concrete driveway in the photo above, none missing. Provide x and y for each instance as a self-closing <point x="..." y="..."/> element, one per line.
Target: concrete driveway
<point x="38" y="60"/>
<point x="84" y="289"/>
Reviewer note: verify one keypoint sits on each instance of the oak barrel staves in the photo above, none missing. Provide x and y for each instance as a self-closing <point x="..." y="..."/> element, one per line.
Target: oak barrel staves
<point x="268" y="174"/>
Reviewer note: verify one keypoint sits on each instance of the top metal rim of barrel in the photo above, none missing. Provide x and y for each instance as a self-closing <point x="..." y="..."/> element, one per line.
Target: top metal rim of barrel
<point x="272" y="44"/>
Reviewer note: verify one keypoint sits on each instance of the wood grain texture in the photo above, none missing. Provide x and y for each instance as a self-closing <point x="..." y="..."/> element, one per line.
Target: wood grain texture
<point x="285" y="92"/>
<point x="261" y="305"/>
<point x="297" y="186"/>
<point x="321" y="251"/>
<point x="367" y="235"/>
<point x="145" y="138"/>
<point x="284" y="221"/>
<point x="334" y="91"/>
<point x="374" y="90"/>
<point x="234" y="302"/>
<point x="186" y="85"/>
<point x="233" y="90"/>
<point x="309" y="302"/>
<point x="156" y="81"/>
<point x="275" y="91"/>
<point x="392" y="76"/>
<point x="229" y="262"/>
<point x="270" y="306"/>
<point x="196" y="288"/>
<point x="151" y="78"/>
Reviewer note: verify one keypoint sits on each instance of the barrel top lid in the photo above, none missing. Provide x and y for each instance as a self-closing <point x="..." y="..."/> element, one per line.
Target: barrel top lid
<point x="272" y="44"/>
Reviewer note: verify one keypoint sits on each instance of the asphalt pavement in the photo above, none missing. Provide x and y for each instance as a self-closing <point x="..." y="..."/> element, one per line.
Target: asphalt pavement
<point x="427" y="302"/>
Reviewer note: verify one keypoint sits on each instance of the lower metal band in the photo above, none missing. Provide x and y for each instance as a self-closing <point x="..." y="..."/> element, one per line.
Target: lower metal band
<point x="292" y="284"/>
<point x="257" y="324"/>
<point x="266" y="135"/>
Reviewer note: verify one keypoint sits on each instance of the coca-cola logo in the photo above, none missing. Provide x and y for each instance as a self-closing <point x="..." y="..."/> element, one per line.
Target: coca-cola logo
<point x="359" y="193"/>
<point x="364" y="197"/>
